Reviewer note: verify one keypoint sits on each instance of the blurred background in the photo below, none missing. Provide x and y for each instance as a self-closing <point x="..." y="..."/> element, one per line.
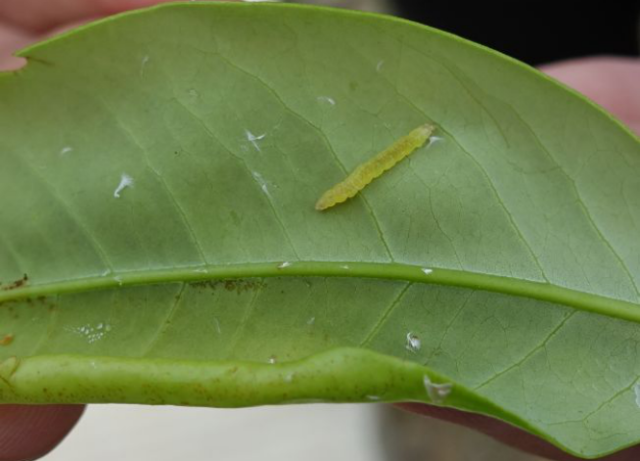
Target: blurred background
<point x="366" y="432"/>
<point x="534" y="32"/>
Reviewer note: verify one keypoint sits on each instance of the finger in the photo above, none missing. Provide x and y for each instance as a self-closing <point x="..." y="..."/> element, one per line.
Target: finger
<point x="508" y="434"/>
<point x="39" y="15"/>
<point x="613" y="83"/>
<point x="31" y="431"/>
<point x="12" y="39"/>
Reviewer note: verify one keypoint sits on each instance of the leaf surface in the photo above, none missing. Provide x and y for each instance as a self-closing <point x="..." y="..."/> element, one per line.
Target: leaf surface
<point x="159" y="243"/>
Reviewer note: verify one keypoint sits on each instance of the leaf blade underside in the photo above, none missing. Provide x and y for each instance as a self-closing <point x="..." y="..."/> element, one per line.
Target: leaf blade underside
<point x="508" y="247"/>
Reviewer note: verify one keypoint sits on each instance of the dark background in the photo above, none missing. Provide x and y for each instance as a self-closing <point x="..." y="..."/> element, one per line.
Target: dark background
<point x="536" y="32"/>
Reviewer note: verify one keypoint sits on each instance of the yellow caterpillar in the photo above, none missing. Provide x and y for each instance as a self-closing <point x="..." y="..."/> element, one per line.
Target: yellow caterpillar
<point x="370" y="170"/>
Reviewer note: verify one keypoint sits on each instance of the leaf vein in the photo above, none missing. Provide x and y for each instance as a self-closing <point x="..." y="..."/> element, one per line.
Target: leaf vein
<point x="529" y="354"/>
<point x="162" y="328"/>
<point x="385" y="316"/>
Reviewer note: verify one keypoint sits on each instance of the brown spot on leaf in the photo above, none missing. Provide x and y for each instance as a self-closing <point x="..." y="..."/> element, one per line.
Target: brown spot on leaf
<point x="237" y="285"/>
<point x="17" y="284"/>
<point x="43" y="300"/>
<point x="8" y="339"/>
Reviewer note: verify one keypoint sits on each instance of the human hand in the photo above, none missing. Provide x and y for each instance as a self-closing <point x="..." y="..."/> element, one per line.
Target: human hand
<point x="31" y="431"/>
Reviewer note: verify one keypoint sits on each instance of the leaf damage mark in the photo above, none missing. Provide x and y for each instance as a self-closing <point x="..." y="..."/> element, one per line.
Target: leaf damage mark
<point x="125" y="181"/>
<point x="237" y="285"/>
<point x="253" y="139"/>
<point x="413" y="343"/>
<point x="434" y="140"/>
<point x="143" y="64"/>
<point x="327" y="99"/>
<point x="261" y="181"/>
<point x="65" y="150"/>
<point x="32" y="302"/>
<point x="16" y="284"/>
<point x="6" y="340"/>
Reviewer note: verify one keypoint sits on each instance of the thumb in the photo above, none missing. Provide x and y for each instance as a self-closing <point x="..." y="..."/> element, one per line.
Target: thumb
<point x="612" y="82"/>
<point x="39" y="16"/>
<point x="29" y="432"/>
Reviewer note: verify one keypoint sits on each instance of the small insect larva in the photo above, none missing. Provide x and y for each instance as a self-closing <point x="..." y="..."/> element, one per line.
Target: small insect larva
<point x="370" y="170"/>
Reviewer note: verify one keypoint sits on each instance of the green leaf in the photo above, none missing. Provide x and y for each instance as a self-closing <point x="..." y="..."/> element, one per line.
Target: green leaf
<point x="503" y="260"/>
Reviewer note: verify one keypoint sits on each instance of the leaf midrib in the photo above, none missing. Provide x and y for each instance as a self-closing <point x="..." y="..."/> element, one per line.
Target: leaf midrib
<point x="579" y="300"/>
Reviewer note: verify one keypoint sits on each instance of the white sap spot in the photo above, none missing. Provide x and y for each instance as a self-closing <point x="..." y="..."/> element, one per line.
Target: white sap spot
<point x="65" y="150"/>
<point x="217" y="322"/>
<point x="327" y="99"/>
<point x="379" y="66"/>
<point x="284" y="264"/>
<point x="143" y="64"/>
<point x="345" y="266"/>
<point x="273" y="359"/>
<point x="201" y="271"/>
<point x="434" y="139"/>
<point x="125" y="181"/>
<point x="92" y="333"/>
<point x="253" y="139"/>
<point x="437" y="392"/>
<point x="311" y="321"/>
<point x="413" y="343"/>
<point x="373" y="398"/>
<point x="427" y="271"/>
<point x="263" y="184"/>
<point x="289" y="377"/>
<point x="636" y="390"/>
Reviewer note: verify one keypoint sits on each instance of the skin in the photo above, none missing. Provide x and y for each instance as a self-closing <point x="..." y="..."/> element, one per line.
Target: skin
<point x="30" y="432"/>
